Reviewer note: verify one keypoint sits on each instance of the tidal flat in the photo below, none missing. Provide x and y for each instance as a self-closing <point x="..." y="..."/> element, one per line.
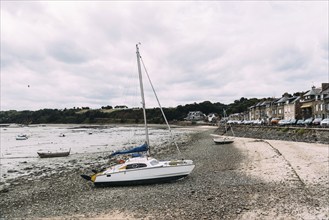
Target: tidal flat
<point x="248" y="179"/>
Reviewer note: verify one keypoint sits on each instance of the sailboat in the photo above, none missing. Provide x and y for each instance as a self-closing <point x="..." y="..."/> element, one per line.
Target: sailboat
<point x="142" y="168"/>
<point x="221" y="139"/>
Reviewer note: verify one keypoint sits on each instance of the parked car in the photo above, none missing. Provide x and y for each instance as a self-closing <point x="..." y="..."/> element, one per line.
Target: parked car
<point x="308" y="121"/>
<point x="283" y="122"/>
<point x="247" y="122"/>
<point x="275" y="121"/>
<point x="258" y="122"/>
<point x="317" y="121"/>
<point x="325" y="122"/>
<point x="300" y="122"/>
<point x="292" y="121"/>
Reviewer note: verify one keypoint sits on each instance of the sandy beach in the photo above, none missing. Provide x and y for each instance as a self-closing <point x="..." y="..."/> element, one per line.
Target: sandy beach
<point x="249" y="179"/>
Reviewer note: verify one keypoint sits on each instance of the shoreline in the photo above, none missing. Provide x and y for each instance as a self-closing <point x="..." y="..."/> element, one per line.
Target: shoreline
<point x="20" y="158"/>
<point x="248" y="179"/>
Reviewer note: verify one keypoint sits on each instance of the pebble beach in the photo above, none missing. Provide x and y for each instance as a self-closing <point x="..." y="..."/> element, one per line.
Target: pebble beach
<point x="248" y="179"/>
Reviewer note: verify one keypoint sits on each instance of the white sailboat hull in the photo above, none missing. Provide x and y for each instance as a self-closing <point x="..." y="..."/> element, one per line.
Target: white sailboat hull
<point x="162" y="172"/>
<point x="223" y="140"/>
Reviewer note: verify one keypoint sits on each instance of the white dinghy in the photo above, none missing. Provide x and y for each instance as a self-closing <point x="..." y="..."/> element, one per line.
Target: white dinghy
<point x="142" y="169"/>
<point x="222" y="139"/>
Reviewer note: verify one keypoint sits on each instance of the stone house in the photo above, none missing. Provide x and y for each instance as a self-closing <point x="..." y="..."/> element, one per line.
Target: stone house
<point x="320" y="104"/>
<point x="281" y="104"/>
<point x="308" y="102"/>
<point x="252" y="110"/>
<point x="314" y="103"/>
<point x="325" y="98"/>
<point x="292" y="108"/>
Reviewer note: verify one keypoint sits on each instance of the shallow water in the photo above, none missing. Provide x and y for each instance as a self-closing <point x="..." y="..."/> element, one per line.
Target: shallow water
<point x="19" y="157"/>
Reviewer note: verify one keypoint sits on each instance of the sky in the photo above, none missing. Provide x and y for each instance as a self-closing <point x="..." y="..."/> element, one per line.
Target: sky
<point x="65" y="54"/>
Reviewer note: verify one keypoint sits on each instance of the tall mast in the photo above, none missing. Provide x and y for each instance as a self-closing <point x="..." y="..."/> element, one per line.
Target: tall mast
<point x="142" y="94"/>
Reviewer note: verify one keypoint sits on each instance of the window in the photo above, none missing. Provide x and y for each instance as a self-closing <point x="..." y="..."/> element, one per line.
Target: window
<point x="154" y="162"/>
<point x="135" y="165"/>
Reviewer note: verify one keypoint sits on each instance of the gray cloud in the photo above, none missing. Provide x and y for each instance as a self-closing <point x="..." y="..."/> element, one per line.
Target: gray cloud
<point x="83" y="54"/>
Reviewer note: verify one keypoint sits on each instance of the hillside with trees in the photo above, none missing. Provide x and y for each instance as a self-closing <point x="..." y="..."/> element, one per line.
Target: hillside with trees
<point x="108" y="114"/>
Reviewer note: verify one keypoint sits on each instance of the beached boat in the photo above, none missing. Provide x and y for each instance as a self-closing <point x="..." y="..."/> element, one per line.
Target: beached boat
<point x="54" y="154"/>
<point x="222" y="139"/>
<point x="21" y="137"/>
<point x="142" y="168"/>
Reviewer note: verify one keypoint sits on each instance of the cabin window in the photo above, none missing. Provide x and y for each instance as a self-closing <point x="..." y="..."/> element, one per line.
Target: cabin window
<point x="135" y="165"/>
<point x="154" y="162"/>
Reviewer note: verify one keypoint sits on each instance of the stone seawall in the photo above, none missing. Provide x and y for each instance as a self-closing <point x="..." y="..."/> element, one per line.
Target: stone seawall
<point x="298" y="134"/>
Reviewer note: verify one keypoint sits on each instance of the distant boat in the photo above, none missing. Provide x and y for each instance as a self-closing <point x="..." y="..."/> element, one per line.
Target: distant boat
<point x="21" y="137"/>
<point x="221" y="139"/>
<point x="54" y="154"/>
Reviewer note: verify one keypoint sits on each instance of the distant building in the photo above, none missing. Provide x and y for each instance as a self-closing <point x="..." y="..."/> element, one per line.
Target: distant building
<point x="308" y="102"/>
<point x="292" y="108"/>
<point x="120" y="107"/>
<point x="325" y="97"/>
<point x="281" y="104"/>
<point x="320" y="105"/>
<point x="195" y="116"/>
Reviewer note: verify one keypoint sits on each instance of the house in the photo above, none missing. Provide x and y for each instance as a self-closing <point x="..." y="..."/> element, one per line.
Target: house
<point x="262" y="110"/>
<point x="320" y="103"/>
<point x="195" y="116"/>
<point x="280" y="105"/>
<point x="292" y="108"/>
<point x="271" y="107"/>
<point x="212" y="117"/>
<point x="252" y="110"/>
<point x="325" y="98"/>
<point x="307" y="102"/>
<point x="314" y="103"/>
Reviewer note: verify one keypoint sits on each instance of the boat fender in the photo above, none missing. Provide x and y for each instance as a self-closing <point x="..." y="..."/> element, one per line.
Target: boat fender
<point x="93" y="177"/>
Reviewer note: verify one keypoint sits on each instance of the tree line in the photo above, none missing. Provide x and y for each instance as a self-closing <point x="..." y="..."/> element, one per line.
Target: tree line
<point x="126" y="115"/>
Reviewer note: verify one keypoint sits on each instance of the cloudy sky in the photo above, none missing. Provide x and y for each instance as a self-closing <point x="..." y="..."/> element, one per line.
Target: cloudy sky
<point x="65" y="54"/>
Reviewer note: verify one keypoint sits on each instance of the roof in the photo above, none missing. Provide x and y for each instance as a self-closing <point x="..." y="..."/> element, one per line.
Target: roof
<point x="294" y="99"/>
<point x="283" y="99"/>
<point x="313" y="91"/>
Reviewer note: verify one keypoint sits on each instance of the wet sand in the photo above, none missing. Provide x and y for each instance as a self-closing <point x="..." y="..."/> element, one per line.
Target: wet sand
<point x="249" y="179"/>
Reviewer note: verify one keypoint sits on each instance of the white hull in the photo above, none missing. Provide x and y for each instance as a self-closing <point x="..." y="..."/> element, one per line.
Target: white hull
<point x="161" y="172"/>
<point x="21" y="137"/>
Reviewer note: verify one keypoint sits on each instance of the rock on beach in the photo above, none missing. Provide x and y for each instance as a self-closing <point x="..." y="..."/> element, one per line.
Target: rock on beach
<point x="248" y="179"/>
